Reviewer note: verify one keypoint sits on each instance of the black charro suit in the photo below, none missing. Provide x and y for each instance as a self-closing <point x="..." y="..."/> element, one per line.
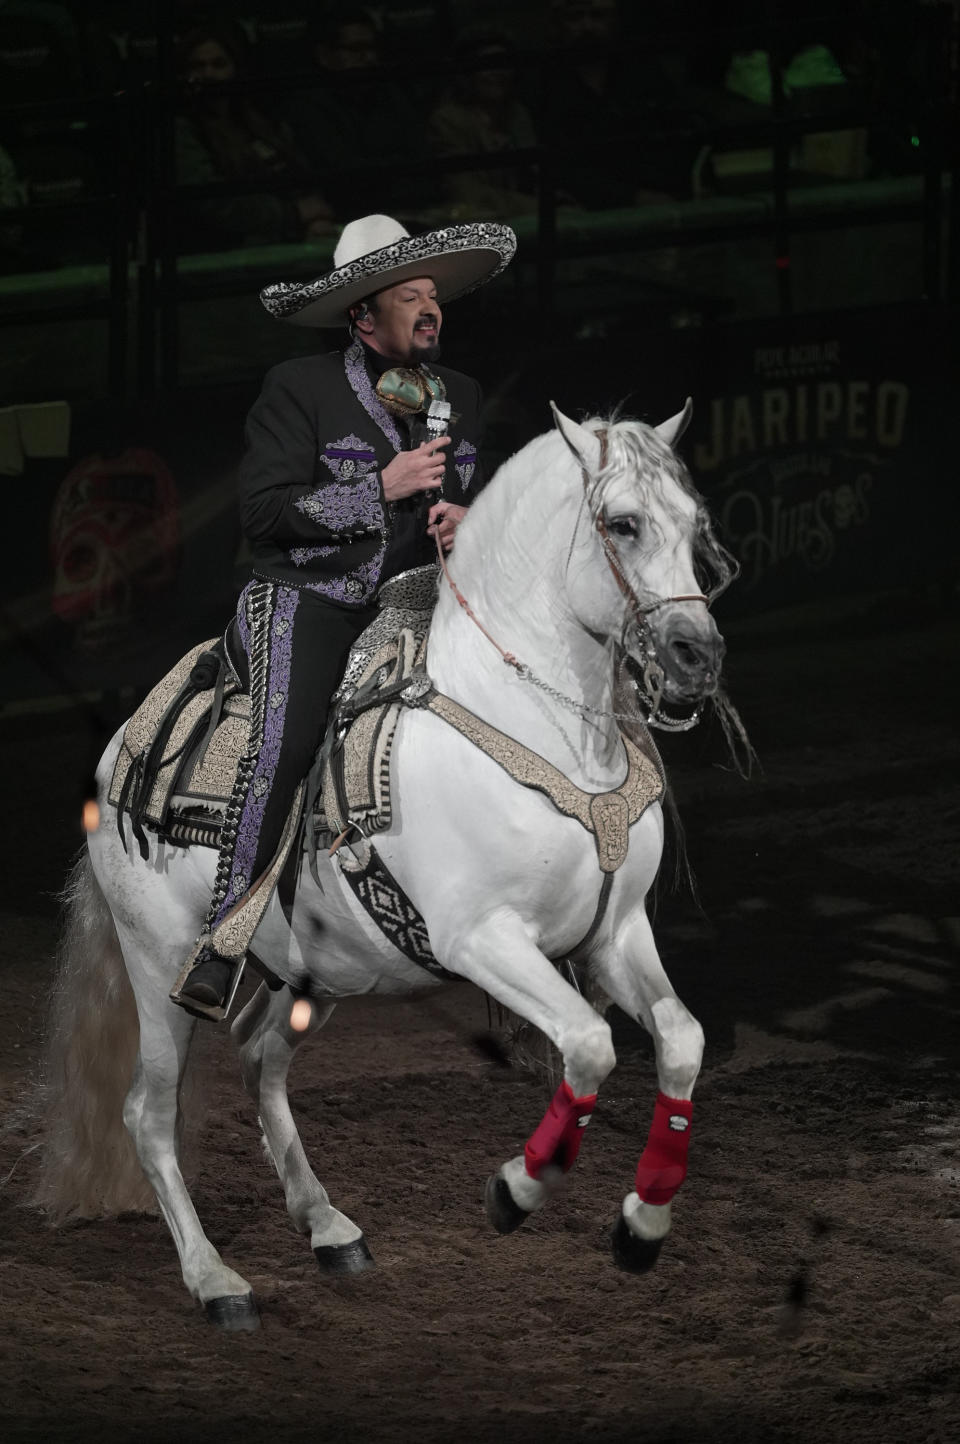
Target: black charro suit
<point x="324" y="538"/>
<point x="311" y="495"/>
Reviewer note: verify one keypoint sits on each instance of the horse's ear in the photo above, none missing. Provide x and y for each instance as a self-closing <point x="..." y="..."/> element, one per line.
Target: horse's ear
<point x="672" y="430"/>
<point x="584" y="444"/>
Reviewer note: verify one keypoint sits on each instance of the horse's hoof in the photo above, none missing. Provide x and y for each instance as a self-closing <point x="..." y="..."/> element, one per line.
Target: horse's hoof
<point x="503" y="1213"/>
<point x="636" y="1255"/>
<point x="344" y="1258"/>
<point x="234" y="1313"/>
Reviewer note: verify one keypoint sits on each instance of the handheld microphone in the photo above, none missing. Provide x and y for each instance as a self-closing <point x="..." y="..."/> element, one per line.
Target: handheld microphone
<point x="438" y="419"/>
<point x="436" y="422"/>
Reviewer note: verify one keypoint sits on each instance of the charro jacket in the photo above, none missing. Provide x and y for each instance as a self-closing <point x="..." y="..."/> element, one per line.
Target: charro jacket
<point x="311" y="496"/>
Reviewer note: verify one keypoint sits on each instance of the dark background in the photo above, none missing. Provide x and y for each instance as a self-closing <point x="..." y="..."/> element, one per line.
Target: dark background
<point x="749" y="203"/>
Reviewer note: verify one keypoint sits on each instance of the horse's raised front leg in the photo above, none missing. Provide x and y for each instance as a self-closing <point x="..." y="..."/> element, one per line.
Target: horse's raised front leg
<point x="500" y="956"/>
<point x="151" y="1115"/>
<point x="630" y="972"/>
<point x="268" y="1032"/>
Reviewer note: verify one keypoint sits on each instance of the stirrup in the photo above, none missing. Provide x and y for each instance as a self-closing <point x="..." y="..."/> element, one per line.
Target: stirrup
<point x="217" y="1012"/>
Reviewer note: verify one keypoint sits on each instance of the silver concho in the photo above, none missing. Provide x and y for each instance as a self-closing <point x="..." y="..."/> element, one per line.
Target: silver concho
<point x="416" y="689"/>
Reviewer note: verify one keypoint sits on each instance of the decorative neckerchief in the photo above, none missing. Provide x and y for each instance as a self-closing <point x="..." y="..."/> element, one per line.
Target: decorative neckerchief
<point x="362" y="388"/>
<point x="408" y="390"/>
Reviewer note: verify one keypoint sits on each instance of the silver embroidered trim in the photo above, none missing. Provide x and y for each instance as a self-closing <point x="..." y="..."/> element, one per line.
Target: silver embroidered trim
<point x="465" y="469"/>
<point x="360" y="384"/>
<point x="286" y="298"/>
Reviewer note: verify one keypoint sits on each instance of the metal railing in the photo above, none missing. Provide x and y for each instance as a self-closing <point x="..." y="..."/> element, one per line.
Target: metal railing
<point x="32" y="299"/>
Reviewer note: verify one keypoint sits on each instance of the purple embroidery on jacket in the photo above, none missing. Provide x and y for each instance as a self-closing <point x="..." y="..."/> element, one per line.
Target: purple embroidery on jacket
<point x="348" y="458"/>
<point x="353" y="587"/>
<point x="355" y="506"/>
<point x="362" y="388"/>
<point x="280" y="647"/>
<point x="465" y="460"/>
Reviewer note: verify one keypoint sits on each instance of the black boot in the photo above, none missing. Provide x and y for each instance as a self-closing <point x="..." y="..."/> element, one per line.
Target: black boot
<point x="205" y="984"/>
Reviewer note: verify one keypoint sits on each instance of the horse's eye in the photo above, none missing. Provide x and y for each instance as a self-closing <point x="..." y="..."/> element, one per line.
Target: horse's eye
<point x="623" y="526"/>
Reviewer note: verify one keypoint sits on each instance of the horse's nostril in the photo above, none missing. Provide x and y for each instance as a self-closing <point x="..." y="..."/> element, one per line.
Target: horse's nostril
<point x="690" y="655"/>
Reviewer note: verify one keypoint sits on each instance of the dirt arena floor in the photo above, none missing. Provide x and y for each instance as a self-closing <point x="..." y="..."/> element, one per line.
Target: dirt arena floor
<point x="810" y="1290"/>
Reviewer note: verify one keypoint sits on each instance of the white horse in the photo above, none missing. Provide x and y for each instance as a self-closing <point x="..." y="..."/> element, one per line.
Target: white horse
<point x="589" y="546"/>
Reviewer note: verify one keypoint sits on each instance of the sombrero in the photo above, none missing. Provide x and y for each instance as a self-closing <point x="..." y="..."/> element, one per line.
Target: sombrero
<point x="376" y="251"/>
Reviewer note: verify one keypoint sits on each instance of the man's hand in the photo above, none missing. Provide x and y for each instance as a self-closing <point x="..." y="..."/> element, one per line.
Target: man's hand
<point x="413" y="471"/>
<point x="443" y="520"/>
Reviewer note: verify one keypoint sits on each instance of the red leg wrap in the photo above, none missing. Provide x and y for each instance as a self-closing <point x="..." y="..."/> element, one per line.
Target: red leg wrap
<point x="557" y="1140"/>
<point x="663" y="1163"/>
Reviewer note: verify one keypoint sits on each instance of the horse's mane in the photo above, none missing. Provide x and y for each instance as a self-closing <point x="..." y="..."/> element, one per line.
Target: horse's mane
<point x="637" y="447"/>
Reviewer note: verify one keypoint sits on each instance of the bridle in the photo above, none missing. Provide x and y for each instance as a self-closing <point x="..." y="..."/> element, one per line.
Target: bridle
<point x="652" y="670"/>
<point x="638" y="613"/>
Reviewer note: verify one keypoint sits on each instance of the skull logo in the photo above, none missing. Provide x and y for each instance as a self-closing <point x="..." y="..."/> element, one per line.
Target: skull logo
<point x="114" y="543"/>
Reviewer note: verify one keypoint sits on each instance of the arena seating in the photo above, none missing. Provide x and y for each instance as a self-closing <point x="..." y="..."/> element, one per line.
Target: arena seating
<point x="85" y="127"/>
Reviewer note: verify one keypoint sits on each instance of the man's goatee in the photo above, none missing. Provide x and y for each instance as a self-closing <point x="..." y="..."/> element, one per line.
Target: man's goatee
<point x="429" y="354"/>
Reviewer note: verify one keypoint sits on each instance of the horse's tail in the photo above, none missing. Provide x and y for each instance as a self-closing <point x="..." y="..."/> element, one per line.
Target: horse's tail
<point x="88" y="1165"/>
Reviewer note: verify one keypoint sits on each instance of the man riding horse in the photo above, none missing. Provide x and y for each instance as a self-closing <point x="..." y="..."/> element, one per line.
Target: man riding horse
<point x="357" y="463"/>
